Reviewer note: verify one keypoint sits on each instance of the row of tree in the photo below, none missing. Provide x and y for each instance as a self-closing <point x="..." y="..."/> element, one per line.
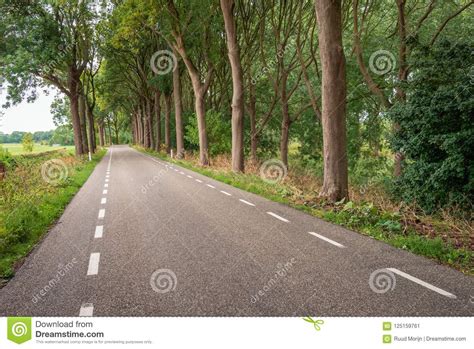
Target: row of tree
<point x="323" y="74"/>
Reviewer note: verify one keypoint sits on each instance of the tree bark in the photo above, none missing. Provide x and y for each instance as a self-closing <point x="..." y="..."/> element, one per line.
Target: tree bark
<point x="178" y="110"/>
<point x="76" y="124"/>
<point x="82" y="120"/>
<point x="399" y="157"/>
<point x="149" y="118"/>
<point x="227" y="7"/>
<point x="167" y="123"/>
<point x="335" y="185"/>
<point x="91" y="133"/>
<point x="101" y="134"/>
<point x="252" y="111"/>
<point x="158" y="119"/>
<point x="202" y="129"/>
<point x="146" y="125"/>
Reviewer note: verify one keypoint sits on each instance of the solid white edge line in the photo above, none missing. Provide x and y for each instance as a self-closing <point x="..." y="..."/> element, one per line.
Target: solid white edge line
<point x="278" y="217"/>
<point x="246" y="202"/>
<point x="93" y="268"/>
<point x="226" y="193"/>
<point x="99" y="230"/>
<point x="422" y="283"/>
<point x="87" y="309"/>
<point x="211" y="186"/>
<point x="103" y="201"/>
<point x="327" y="240"/>
<point x="102" y="213"/>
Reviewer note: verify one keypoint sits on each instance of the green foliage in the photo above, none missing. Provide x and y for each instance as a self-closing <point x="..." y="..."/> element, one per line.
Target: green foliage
<point x="436" y="128"/>
<point x="218" y="132"/>
<point x="30" y="205"/>
<point x="27" y="142"/>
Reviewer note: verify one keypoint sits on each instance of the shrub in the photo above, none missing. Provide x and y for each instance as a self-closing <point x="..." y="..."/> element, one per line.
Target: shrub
<point x="218" y="133"/>
<point x="436" y="129"/>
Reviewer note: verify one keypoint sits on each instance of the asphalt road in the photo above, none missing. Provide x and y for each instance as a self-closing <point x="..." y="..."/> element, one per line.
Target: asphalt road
<point x="176" y="243"/>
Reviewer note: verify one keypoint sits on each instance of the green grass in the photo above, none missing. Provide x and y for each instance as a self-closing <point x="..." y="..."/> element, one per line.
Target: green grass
<point x="32" y="205"/>
<point x="17" y="148"/>
<point x="361" y="217"/>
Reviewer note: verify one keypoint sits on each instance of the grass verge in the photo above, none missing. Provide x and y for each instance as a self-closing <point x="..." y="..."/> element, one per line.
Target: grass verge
<point x="399" y="226"/>
<point x="35" y="191"/>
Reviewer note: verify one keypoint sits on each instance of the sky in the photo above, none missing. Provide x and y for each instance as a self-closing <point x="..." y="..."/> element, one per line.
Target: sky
<point x="28" y="117"/>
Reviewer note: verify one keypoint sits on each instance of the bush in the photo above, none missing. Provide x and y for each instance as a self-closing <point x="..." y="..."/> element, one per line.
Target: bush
<point x="436" y="129"/>
<point x="218" y="133"/>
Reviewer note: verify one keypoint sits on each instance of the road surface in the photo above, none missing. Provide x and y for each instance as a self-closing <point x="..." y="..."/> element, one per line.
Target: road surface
<point x="147" y="238"/>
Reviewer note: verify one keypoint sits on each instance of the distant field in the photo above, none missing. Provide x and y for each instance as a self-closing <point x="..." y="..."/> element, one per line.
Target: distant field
<point x="17" y="149"/>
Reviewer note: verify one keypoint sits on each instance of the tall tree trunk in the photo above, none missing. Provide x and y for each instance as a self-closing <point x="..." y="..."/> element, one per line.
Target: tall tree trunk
<point x="82" y="119"/>
<point x="101" y="134"/>
<point x="227" y="7"/>
<point x="74" y="102"/>
<point x="167" y="123"/>
<point x="200" y="89"/>
<point x="285" y="121"/>
<point x="178" y="110"/>
<point x="158" y="119"/>
<point x="149" y="118"/>
<point x="252" y="111"/>
<point x="202" y="129"/>
<point x="335" y="185"/>
<point x="402" y="78"/>
<point x="285" y="134"/>
<point x="91" y="133"/>
<point x="146" y="125"/>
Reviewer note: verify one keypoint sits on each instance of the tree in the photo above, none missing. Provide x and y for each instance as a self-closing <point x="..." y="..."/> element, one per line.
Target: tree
<point x="27" y="142"/>
<point x="436" y="131"/>
<point x="335" y="185"/>
<point x="49" y="47"/>
<point x="227" y="7"/>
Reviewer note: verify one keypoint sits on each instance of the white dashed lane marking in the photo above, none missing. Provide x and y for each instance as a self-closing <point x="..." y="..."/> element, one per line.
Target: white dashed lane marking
<point x="104" y="191"/>
<point x="103" y="201"/>
<point x="211" y="186"/>
<point x="99" y="230"/>
<point x="198" y="180"/>
<point x="278" y="217"/>
<point x="327" y="240"/>
<point x="101" y="213"/>
<point x="226" y="193"/>
<point x="93" y="264"/>
<point x="189" y="176"/>
<point x="106" y="185"/>
<point x="246" y="202"/>
<point x="87" y="309"/>
<point x="422" y="283"/>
